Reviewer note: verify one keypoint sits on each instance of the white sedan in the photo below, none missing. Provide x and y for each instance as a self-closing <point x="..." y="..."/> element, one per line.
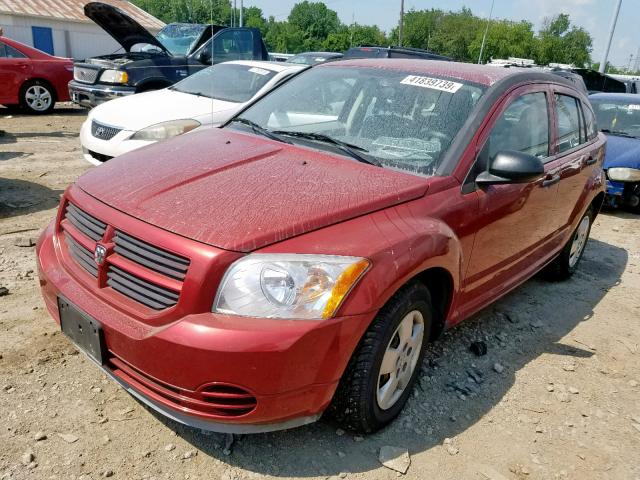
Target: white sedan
<point x="206" y="99"/>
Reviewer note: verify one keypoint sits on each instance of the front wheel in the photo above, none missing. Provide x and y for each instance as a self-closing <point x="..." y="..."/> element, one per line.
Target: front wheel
<point x="383" y="369"/>
<point x="37" y="97"/>
<point x="567" y="262"/>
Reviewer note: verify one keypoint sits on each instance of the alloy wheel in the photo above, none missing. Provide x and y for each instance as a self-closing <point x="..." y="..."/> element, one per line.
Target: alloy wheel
<point x="400" y="360"/>
<point x="579" y="241"/>
<point x="38" y="98"/>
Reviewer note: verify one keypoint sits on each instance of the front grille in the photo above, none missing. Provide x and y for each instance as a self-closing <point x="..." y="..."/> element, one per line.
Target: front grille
<point x="141" y="290"/>
<point x="81" y="255"/>
<point x="99" y="156"/>
<point x="85" y="75"/>
<point x="153" y="258"/>
<point x="155" y="285"/>
<point x="103" y="132"/>
<point x="88" y="225"/>
<point x="218" y="400"/>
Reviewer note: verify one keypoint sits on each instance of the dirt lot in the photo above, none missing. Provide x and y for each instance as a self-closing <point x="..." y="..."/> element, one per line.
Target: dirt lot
<point x="556" y="396"/>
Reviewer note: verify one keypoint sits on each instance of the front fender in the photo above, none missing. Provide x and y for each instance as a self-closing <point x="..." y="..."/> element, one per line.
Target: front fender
<point x="399" y="244"/>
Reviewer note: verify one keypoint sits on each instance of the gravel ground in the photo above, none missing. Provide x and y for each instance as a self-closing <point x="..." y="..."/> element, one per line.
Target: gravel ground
<point x="555" y="397"/>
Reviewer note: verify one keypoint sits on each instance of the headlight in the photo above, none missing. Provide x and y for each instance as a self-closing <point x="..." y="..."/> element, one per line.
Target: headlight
<point x="309" y="287"/>
<point x="164" y="130"/>
<point x="114" y="76"/>
<point x="619" y="174"/>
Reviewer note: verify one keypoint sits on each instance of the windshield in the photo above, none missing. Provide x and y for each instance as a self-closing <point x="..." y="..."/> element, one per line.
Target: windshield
<point x="178" y="38"/>
<point x="393" y="118"/>
<point x="618" y="117"/>
<point x="229" y="82"/>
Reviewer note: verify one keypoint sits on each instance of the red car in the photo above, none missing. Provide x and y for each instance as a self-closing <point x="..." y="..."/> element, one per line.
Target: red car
<point x="31" y="78"/>
<point x="299" y="260"/>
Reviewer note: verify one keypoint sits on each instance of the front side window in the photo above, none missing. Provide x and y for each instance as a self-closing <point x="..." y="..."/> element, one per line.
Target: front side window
<point x="618" y="117"/>
<point x="393" y="118"/>
<point x="570" y="134"/>
<point x="522" y="127"/>
<point x="228" y="82"/>
<point x="233" y="45"/>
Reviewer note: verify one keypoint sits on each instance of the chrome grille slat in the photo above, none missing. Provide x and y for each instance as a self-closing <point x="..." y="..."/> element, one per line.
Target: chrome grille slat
<point x="85" y="75"/>
<point x="88" y="225"/>
<point x="102" y="131"/>
<point x="81" y="255"/>
<point x="151" y="257"/>
<point x="140" y="290"/>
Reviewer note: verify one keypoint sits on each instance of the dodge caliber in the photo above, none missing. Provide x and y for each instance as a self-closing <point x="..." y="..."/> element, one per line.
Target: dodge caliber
<point x="298" y="261"/>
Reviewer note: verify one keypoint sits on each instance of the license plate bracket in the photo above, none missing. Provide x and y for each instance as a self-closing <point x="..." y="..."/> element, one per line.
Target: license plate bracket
<point x="83" y="330"/>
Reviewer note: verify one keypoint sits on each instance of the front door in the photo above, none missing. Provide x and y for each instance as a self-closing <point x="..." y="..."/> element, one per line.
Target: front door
<point x="14" y="69"/>
<point x="516" y="222"/>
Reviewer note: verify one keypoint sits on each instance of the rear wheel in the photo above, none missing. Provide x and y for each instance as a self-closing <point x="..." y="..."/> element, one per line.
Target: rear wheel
<point x="37" y="97"/>
<point x="567" y="262"/>
<point x="383" y="369"/>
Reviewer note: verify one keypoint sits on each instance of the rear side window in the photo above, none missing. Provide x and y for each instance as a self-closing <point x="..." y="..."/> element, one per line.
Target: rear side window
<point x="522" y="127"/>
<point x="7" y="51"/>
<point x="590" y="121"/>
<point x="570" y="132"/>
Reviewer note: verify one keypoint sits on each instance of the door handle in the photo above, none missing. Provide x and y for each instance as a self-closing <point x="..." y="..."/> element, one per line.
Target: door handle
<point x="550" y="180"/>
<point x="590" y="161"/>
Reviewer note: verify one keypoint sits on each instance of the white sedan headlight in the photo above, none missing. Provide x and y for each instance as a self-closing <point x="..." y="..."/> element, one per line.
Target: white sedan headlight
<point x="621" y="174"/>
<point x="114" y="76"/>
<point x="164" y="130"/>
<point x="288" y="286"/>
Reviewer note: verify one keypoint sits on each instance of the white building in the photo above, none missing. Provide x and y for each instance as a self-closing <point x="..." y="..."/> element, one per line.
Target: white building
<point x="59" y="27"/>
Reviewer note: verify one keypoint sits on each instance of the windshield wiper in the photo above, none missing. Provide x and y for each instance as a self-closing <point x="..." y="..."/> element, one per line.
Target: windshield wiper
<point x="348" y="148"/>
<point x="618" y="132"/>
<point x="259" y="130"/>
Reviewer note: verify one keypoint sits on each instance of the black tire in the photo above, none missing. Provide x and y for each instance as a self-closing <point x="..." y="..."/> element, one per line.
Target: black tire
<point x="562" y="267"/>
<point x="34" y="107"/>
<point x="355" y="405"/>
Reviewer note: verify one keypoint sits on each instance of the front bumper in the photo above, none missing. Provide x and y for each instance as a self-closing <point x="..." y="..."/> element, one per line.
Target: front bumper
<point x="290" y="368"/>
<point x="90" y="96"/>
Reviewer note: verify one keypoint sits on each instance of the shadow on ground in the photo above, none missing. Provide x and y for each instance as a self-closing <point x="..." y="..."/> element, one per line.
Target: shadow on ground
<point x="527" y="323"/>
<point x="19" y="197"/>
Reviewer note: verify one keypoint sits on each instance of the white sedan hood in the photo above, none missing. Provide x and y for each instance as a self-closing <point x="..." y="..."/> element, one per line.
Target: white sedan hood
<point x="142" y="110"/>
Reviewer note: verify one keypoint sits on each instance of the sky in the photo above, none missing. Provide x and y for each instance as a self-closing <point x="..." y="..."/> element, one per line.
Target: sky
<point x="593" y="15"/>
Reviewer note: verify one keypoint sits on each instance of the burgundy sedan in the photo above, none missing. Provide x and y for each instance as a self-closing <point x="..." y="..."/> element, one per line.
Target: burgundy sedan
<point x="299" y="260"/>
<point x="32" y="79"/>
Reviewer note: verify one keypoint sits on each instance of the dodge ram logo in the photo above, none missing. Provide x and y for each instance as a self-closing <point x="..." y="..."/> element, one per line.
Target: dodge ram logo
<point x="99" y="254"/>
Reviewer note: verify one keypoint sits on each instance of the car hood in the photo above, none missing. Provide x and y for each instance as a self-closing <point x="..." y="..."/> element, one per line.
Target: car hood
<point x="124" y="29"/>
<point x="622" y="152"/>
<point x="241" y="192"/>
<point x="142" y="110"/>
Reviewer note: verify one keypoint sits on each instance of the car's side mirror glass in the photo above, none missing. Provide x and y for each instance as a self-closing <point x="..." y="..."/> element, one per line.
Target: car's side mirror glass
<point x="511" y="167"/>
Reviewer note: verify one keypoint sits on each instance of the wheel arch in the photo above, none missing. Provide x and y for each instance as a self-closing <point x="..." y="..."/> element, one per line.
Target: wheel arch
<point x="152" y="84"/>
<point x="597" y="203"/>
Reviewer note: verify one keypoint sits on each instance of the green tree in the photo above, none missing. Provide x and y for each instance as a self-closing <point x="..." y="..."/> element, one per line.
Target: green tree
<point x="504" y="39"/>
<point x="559" y="42"/>
<point x="315" y="20"/>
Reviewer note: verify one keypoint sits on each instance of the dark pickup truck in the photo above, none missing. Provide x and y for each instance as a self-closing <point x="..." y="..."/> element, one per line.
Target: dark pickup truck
<point x="153" y="62"/>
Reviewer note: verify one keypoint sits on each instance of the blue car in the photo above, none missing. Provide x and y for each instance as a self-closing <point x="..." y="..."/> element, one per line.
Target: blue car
<point x="618" y="117"/>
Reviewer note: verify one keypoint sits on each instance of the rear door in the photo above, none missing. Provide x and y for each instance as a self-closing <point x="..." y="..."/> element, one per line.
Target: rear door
<point x="577" y="150"/>
<point x="15" y="68"/>
<point x="516" y="225"/>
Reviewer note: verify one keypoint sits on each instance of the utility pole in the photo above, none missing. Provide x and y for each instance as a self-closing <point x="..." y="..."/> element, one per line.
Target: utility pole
<point x="486" y="31"/>
<point x="401" y="23"/>
<point x="241" y="14"/>
<point x="636" y="65"/>
<point x="233" y="14"/>
<point x="614" y="20"/>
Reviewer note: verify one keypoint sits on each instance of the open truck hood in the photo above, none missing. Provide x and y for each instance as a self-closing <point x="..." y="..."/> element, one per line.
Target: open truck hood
<point x="242" y="192"/>
<point x="124" y="29"/>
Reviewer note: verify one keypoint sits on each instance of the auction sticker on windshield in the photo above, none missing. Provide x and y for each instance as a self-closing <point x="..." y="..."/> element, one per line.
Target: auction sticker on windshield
<point x="259" y="71"/>
<point x="433" y="83"/>
<point x="634" y="106"/>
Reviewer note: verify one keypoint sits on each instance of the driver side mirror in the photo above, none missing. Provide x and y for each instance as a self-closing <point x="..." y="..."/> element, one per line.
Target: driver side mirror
<point x="205" y="56"/>
<point x="511" y="167"/>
